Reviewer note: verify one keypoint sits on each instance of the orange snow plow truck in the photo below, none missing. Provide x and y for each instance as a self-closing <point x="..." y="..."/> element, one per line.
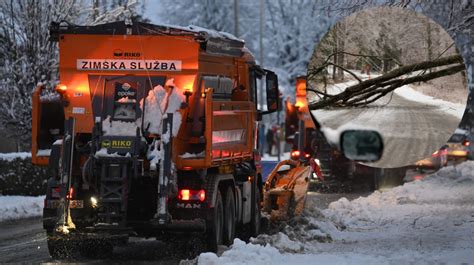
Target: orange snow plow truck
<point x="151" y="132"/>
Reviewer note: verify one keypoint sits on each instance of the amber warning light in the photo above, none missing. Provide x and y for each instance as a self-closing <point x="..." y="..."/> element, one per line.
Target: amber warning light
<point x="61" y="88"/>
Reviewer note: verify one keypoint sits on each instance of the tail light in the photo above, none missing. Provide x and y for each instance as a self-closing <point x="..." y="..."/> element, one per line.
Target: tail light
<point x="435" y="153"/>
<point x="70" y="193"/>
<point x="295" y="154"/>
<point x="466" y="143"/>
<point x="307" y="155"/>
<point x="192" y="195"/>
<point x="418" y="177"/>
<point x="184" y="195"/>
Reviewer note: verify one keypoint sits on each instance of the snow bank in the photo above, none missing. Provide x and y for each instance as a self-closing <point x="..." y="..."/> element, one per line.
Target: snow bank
<point x="423" y="222"/>
<point x="17" y="207"/>
<point x="242" y="253"/>
<point x="409" y="93"/>
<point x="12" y="156"/>
<point x="428" y="197"/>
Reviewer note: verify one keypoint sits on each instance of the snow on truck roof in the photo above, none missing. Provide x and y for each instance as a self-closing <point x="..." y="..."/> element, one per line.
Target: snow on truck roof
<point x="214" y="41"/>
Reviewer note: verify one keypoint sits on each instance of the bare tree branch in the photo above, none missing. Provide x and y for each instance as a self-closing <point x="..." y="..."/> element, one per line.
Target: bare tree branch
<point x="370" y="90"/>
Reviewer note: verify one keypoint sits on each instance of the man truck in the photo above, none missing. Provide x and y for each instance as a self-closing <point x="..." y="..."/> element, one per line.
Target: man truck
<point x="151" y="131"/>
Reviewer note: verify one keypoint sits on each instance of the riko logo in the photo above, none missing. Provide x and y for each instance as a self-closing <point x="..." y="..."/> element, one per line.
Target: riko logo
<point x="118" y="53"/>
<point x="121" y="54"/>
<point x="121" y="144"/>
<point x="116" y="144"/>
<point x="106" y="144"/>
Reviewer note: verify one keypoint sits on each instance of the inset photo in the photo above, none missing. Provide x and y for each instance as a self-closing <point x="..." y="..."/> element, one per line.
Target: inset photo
<point x="392" y="70"/>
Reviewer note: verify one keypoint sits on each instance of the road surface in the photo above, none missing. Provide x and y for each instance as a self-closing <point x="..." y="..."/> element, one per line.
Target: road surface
<point x="25" y="241"/>
<point x="411" y="130"/>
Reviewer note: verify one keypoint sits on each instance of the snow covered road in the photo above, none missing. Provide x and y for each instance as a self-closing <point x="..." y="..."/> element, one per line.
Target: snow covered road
<point x="430" y="221"/>
<point x="424" y="222"/>
<point x="411" y="129"/>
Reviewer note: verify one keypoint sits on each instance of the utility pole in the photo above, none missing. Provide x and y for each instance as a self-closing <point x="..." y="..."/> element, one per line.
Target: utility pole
<point x="236" y="18"/>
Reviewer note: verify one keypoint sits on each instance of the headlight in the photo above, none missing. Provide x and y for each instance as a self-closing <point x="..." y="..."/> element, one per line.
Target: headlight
<point x="317" y="162"/>
<point x="94" y="202"/>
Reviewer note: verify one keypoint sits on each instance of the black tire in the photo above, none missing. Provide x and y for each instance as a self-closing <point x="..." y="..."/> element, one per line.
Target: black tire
<point x="229" y="218"/>
<point x="215" y="225"/>
<point x="60" y="248"/>
<point x="256" y="215"/>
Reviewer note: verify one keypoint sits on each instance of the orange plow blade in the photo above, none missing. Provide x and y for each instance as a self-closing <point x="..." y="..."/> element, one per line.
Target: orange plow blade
<point x="285" y="190"/>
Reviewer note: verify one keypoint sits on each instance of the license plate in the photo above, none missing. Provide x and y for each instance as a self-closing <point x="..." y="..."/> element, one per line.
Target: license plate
<point x="73" y="204"/>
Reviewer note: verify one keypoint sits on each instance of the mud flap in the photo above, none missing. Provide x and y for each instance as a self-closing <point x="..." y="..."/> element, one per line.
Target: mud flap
<point x="162" y="215"/>
<point x="65" y="222"/>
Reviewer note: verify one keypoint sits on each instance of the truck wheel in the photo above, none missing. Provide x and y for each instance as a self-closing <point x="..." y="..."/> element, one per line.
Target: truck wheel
<point x="61" y="248"/>
<point x="215" y="225"/>
<point x="229" y="218"/>
<point x="256" y="216"/>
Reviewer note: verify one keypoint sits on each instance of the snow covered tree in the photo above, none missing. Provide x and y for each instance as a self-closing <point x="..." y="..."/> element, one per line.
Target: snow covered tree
<point x="28" y="57"/>
<point x="212" y="14"/>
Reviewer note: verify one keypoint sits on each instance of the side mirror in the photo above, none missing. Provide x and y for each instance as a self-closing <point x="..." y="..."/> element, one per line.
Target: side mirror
<point x="272" y="91"/>
<point x="361" y="145"/>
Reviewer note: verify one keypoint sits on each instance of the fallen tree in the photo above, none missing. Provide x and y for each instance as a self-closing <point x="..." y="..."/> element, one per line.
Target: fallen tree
<point x="370" y="90"/>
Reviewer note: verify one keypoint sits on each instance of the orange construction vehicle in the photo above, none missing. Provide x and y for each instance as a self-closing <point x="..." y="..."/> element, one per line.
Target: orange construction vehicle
<point x="299" y="127"/>
<point x="286" y="186"/>
<point x="151" y="132"/>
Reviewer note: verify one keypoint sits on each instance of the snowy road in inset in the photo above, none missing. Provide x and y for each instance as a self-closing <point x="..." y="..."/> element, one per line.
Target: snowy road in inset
<point x="411" y="130"/>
